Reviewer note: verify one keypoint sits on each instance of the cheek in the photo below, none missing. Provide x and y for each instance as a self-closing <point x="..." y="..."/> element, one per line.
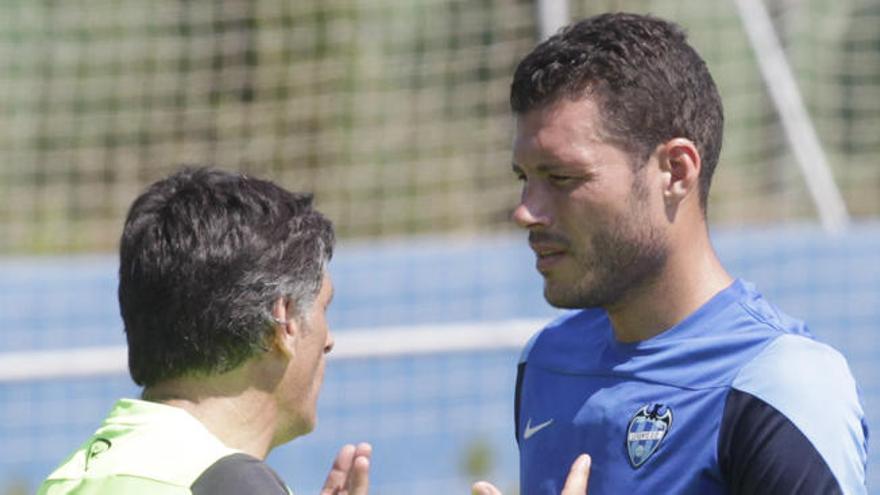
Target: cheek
<point x="581" y="217"/>
<point x="318" y="379"/>
<point x="316" y="363"/>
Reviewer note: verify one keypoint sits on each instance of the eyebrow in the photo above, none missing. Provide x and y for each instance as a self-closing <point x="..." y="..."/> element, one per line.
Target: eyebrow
<point x="542" y="168"/>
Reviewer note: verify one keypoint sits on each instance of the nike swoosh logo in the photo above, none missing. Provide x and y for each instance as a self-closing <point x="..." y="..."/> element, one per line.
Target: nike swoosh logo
<point x="531" y="430"/>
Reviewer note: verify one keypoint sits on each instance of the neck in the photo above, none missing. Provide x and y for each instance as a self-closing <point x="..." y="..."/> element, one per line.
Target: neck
<point x="243" y="418"/>
<point x="691" y="277"/>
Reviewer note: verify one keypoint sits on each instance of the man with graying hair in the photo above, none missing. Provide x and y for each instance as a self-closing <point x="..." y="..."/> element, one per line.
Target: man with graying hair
<point x="223" y="290"/>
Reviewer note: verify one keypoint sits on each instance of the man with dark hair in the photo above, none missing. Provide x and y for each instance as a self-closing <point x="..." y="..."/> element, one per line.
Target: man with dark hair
<point x="223" y="291"/>
<point x="674" y="376"/>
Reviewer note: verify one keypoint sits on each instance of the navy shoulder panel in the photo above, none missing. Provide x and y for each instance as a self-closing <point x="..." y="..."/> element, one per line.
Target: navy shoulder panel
<point x="760" y="451"/>
<point x="809" y="385"/>
<point x="238" y="474"/>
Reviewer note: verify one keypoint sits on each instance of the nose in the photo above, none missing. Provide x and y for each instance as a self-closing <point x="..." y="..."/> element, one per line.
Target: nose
<point x="531" y="210"/>
<point x="328" y="345"/>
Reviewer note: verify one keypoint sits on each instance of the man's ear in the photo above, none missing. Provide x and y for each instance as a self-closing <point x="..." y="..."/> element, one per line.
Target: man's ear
<point x="286" y="327"/>
<point x="680" y="162"/>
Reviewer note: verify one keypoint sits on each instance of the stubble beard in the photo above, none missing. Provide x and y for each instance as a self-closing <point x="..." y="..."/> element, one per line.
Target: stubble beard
<point x="621" y="259"/>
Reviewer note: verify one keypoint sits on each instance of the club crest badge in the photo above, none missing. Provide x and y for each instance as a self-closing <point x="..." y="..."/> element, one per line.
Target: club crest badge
<point x="646" y="430"/>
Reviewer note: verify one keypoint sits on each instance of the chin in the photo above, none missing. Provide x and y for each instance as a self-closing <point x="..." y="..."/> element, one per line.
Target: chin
<point x="300" y="427"/>
<point x="561" y="300"/>
<point x="569" y="297"/>
<point x="309" y="424"/>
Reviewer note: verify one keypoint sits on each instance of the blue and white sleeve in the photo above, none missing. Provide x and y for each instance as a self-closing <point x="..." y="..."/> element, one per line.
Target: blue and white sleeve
<point x="793" y="423"/>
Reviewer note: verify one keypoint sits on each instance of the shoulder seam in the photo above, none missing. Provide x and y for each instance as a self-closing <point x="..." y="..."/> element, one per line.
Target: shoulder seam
<point x="769" y="343"/>
<point x="760" y="318"/>
<point x="746" y="364"/>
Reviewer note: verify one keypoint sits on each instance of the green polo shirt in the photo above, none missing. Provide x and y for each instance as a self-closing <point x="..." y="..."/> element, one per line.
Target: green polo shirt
<point x="150" y="448"/>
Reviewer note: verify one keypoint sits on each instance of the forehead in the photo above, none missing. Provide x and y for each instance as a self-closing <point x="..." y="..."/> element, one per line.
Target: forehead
<point x="566" y="130"/>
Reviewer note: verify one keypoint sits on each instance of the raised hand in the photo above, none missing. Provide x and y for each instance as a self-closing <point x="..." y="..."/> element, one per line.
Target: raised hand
<point x="350" y="474"/>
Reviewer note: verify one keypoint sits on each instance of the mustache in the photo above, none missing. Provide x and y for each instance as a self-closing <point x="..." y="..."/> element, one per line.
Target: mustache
<point x="548" y="238"/>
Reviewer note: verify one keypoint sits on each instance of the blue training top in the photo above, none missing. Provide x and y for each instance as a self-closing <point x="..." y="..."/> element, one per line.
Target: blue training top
<point x="737" y="398"/>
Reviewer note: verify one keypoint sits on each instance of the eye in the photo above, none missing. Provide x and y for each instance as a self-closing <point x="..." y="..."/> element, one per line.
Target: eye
<point x="519" y="175"/>
<point x="560" y="179"/>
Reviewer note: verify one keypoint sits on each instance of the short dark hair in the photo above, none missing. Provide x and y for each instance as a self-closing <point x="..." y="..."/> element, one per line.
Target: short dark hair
<point x="204" y="255"/>
<point x="649" y="83"/>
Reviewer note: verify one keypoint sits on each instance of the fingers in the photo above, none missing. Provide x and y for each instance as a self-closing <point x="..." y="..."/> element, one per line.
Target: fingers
<point x="363" y="449"/>
<point x="339" y="472"/>
<point x="484" y="488"/>
<point x="350" y="474"/>
<point x="359" y="478"/>
<point x="578" y="476"/>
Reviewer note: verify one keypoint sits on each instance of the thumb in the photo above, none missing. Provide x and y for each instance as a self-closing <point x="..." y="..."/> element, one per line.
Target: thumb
<point x="484" y="488"/>
<point x="578" y="476"/>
